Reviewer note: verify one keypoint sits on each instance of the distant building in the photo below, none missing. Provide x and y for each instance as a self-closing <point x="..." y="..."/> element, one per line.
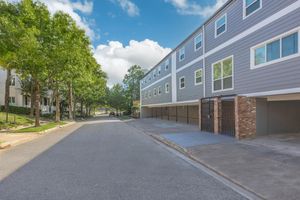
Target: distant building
<point x="17" y="98"/>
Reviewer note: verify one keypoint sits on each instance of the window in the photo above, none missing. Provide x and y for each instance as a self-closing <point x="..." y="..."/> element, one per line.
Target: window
<point x="154" y="73"/>
<point x="13" y="81"/>
<point x="181" y="54"/>
<point x="12" y="100"/>
<point x="159" y="90"/>
<point x="223" y="75"/>
<point x="159" y="70"/>
<point x="167" y="88"/>
<point x="275" y="50"/>
<point x="154" y="92"/>
<point x="221" y="25"/>
<point x="149" y="94"/>
<point x="198" y="77"/>
<point x="198" y="42"/>
<point x="45" y="101"/>
<point x="182" y="82"/>
<point x="167" y="65"/>
<point x="251" y="6"/>
<point x="26" y="100"/>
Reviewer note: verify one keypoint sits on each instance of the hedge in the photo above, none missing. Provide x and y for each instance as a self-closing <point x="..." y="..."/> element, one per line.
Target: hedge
<point x="16" y="110"/>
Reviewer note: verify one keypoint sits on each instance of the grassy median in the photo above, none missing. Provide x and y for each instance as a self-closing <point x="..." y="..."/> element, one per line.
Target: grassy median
<point x="41" y="128"/>
<point x="14" y="120"/>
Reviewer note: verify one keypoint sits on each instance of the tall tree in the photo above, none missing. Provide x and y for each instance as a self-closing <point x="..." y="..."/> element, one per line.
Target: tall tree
<point x="132" y="84"/>
<point x="11" y="31"/>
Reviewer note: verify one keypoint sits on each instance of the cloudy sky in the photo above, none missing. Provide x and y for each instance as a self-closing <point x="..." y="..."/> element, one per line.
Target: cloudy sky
<point x="128" y="32"/>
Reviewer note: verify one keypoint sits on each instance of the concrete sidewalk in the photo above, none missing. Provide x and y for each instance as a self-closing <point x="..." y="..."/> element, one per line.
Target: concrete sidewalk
<point x="265" y="171"/>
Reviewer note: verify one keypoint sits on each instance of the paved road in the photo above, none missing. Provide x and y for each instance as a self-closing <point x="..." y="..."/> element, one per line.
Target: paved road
<point x="111" y="161"/>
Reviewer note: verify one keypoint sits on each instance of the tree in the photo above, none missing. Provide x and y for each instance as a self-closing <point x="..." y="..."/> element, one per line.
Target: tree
<point x="132" y="84"/>
<point x="11" y="31"/>
<point x="117" y="99"/>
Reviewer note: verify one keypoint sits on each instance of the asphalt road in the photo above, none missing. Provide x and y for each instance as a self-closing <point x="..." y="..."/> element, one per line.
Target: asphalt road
<point x="110" y="161"/>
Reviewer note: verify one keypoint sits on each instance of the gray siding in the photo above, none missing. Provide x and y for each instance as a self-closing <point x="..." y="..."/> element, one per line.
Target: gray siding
<point x="162" y="98"/>
<point x="191" y="91"/>
<point x="190" y="53"/>
<point x="277" y="76"/>
<point x="163" y="71"/>
<point x="235" y="22"/>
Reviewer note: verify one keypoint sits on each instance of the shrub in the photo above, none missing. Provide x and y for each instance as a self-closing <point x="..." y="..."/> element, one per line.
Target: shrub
<point x="16" y="110"/>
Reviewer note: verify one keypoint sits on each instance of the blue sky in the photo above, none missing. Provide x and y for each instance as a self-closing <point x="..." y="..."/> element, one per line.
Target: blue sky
<point x="130" y="32"/>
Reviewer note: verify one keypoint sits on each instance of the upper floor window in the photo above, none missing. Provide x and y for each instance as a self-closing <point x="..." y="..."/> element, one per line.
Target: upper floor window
<point x="251" y="6"/>
<point x="223" y="75"/>
<point x="149" y="94"/>
<point x="275" y="50"/>
<point x="198" y="42"/>
<point x="154" y="92"/>
<point x="181" y="82"/>
<point x="198" y="77"/>
<point x="13" y="81"/>
<point x="167" y="65"/>
<point x="167" y="88"/>
<point x="221" y="25"/>
<point x="159" y="90"/>
<point x="159" y="70"/>
<point x="154" y="73"/>
<point x="181" y="54"/>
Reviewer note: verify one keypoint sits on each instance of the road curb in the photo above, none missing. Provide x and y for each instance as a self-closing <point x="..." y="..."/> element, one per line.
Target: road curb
<point x="186" y="153"/>
<point x="5" y="145"/>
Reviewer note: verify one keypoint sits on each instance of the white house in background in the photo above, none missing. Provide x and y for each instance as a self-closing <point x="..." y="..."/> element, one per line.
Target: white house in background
<point x="17" y="98"/>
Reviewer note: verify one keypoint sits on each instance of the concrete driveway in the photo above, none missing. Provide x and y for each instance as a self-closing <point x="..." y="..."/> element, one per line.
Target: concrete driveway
<point x="268" y="166"/>
<point x="104" y="159"/>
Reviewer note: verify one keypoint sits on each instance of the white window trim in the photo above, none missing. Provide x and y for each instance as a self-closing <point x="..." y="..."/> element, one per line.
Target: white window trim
<point x="216" y="35"/>
<point x="212" y="75"/>
<point x="154" y="92"/>
<point x="167" y="63"/>
<point x="159" y="89"/>
<point x="201" y="77"/>
<point x="199" y="35"/>
<point x="281" y="59"/>
<point x="167" y="91"/>
<point x="182" y="77"/>
<point x="183" y="48"/>
<point x="244" y="9"/>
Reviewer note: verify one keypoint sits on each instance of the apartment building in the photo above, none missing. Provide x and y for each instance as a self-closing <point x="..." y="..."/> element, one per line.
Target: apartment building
<point x="238" y="74"/>
<point x="17" y="98"/>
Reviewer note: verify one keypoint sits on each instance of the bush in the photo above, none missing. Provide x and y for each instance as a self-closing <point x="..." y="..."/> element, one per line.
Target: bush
<point x="48" y="115"/>
<point x="16" y="110"/>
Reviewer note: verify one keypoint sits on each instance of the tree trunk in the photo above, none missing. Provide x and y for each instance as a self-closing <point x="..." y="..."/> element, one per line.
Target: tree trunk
<point x="81" y="108"/>
<point x="37" y="104"/>
<point x="32" y="99"/>
<point x="70" y="98"/>
<point x="74" y="108"/>
<point x="57" y="105"/>
<point x="7" y="84"/>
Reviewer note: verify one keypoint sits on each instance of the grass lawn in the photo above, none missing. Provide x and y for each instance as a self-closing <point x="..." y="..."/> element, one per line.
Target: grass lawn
<point x="124" y="117"/>
<point x="14" y="120"/>
<point x="43" y="127"/>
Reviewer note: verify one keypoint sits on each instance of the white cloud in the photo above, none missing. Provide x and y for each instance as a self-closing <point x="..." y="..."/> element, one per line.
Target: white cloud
<point x="129" y="7"/>
<point x="186" y="7"/>
<point x="116" y="59"/>
<point x="70" y="8"/>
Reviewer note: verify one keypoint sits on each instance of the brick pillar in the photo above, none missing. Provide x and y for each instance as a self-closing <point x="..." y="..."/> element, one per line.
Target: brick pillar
<point x="245" y="117"/>
<point x="200" y="114"/>
<point x="217" y="112"/>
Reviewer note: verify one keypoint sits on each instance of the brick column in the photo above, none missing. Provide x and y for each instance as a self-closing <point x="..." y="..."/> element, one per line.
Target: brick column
<point x="245" y="117"/>
<point x="200" y="114"/>
<point x="217" y="114"/>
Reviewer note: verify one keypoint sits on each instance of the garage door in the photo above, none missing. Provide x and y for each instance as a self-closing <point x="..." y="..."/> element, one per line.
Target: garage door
<point x="227" y="118"/>
<point x="207" y="115"/>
